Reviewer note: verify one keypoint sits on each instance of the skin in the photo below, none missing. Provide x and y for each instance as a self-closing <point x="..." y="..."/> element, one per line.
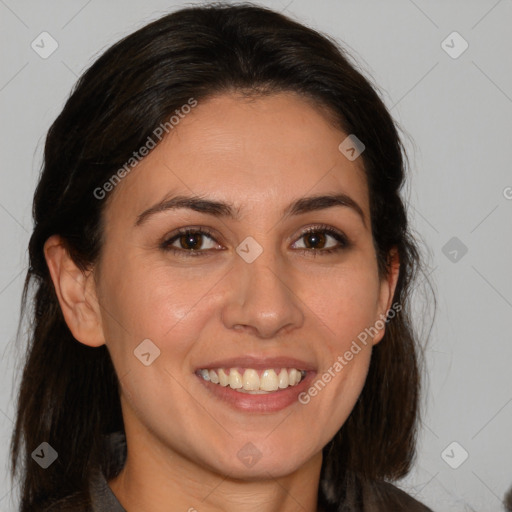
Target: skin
<point x="291" y="301"/>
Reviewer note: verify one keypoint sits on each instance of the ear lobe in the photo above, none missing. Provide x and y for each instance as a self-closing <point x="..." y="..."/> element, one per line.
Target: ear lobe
<point x="387" y="292"/>
<point x="76" y="293"/>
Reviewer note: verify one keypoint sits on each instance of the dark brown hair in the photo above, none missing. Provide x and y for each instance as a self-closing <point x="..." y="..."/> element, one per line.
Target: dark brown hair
<point x="69" y="392"/>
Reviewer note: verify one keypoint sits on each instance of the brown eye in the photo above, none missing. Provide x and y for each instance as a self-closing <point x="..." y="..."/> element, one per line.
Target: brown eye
<point x="314" y="240"/>
<point x="323" y="240"/>
<point x="191" y="241"/>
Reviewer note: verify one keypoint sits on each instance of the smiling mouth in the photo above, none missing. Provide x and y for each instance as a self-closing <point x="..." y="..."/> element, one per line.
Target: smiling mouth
<point x="249" y="380"/>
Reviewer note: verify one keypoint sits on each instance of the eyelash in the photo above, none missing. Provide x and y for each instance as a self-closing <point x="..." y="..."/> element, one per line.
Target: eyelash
<point x="327" y="230"/>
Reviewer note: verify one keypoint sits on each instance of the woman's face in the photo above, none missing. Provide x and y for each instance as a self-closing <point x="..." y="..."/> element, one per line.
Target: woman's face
<point x="278" y="271"/>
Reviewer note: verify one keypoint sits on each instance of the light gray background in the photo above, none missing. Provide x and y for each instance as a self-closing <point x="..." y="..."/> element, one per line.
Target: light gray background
<point x="458" y="114"/>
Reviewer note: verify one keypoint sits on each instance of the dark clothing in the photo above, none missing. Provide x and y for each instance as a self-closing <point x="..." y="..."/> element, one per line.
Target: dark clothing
<point x="384" y="496"/>
<point x="103" y="499"/>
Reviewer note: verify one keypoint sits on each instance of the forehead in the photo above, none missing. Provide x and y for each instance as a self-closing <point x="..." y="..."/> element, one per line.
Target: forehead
<point x="260" y="152"/>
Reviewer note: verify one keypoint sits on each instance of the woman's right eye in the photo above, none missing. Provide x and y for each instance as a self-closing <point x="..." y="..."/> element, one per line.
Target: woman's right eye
<point x="191" y="242"/>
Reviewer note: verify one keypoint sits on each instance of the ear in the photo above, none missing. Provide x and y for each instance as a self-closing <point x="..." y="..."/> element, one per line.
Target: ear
<point x="76" y="292"/>
<point x="387" y="292"/>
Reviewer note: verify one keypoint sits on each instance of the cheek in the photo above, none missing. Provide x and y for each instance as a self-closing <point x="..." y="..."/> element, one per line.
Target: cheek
<point x="152" y="301"/>
<point x="344" y="302"/>
<point x="345" y="313"/>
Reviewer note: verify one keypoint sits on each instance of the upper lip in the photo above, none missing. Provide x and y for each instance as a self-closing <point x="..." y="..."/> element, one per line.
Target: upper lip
<point x="259" y="363"/>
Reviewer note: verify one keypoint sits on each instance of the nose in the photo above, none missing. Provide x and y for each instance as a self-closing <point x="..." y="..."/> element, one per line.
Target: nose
<point x="261" y="299"/>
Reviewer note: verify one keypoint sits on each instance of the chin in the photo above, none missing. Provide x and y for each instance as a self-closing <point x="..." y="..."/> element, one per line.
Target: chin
<point x="262" y="471"/>
<point x="256" y="461"/>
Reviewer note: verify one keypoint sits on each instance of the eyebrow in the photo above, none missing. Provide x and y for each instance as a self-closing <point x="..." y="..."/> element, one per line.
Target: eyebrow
<point x="226" y="210"/>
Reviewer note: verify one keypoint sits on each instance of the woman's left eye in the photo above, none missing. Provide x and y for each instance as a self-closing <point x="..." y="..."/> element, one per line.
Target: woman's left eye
<point x="196" y="242"/>
<point x="324" y="240"/>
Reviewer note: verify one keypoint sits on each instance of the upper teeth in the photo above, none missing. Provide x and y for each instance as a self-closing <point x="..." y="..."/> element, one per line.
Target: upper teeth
<point x="251" y="381"/>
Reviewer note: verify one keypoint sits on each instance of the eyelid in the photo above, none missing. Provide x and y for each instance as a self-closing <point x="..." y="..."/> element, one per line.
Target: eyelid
<point x="169" y="239"/>
<point x="339" y="235"/>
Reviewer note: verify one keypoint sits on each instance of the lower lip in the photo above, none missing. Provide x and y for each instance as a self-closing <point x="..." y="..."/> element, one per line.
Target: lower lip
<point x="269" y="402"/>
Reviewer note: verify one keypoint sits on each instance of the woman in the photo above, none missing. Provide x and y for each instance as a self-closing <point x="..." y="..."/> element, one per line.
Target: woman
<point x="222" y="265"/>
